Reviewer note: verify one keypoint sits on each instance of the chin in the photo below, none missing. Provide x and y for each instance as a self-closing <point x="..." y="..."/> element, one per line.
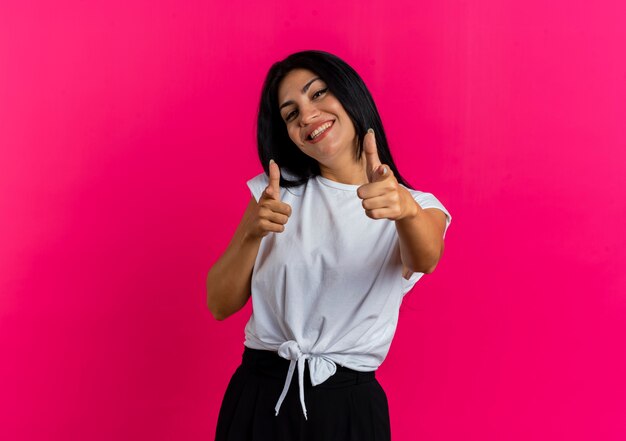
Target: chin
<point x="326" y="152"/>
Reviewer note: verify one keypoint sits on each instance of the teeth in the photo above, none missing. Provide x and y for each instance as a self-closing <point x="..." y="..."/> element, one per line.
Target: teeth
<point x="320" y="130"/>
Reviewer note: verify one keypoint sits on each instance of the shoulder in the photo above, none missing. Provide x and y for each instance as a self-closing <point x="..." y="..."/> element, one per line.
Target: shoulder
<point x="261" y="178"/>
<point x="257" y="185"/>
<point x="428" y="200"/>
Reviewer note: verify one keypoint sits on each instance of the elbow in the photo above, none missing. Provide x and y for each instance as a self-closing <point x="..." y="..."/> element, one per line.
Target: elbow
<point x="426" y="269"/>
<point x="435" y="261"/>
<point x="217" y="316"/>
<point x="219" y="310"/>
<point x="430" y="267"/>
<point x="215" y="312"/>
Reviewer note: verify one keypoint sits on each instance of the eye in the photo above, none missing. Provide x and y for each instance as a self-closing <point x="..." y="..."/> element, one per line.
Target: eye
<point x="320" y="92"/>
<point x="289" y="115"/>
<point x="317" y="94"/>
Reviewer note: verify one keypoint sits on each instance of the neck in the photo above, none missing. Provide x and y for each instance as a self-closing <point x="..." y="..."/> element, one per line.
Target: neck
<point x="346" y="170"/>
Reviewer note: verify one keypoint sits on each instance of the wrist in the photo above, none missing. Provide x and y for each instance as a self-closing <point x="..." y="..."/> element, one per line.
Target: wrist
<point x="410" y="207"/>
<point x="249" y="237"/>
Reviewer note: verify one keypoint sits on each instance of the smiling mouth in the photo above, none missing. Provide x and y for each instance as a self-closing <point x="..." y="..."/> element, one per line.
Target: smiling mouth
<point x="317" y="133"/>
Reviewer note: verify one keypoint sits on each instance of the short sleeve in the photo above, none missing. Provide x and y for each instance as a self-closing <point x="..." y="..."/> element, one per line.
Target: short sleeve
<point x="258" y="184"/>
<point x="428" y="200"/>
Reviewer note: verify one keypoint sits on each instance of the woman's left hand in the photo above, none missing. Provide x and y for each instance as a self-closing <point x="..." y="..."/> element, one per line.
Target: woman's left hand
<point x="383" y="197"/>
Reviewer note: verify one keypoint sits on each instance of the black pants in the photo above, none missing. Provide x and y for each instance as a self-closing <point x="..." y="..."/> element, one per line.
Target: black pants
<point x="349" y="406"/>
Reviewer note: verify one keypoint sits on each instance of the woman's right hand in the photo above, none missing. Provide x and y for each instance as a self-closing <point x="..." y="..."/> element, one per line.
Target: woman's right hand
<point x="271" y="214"/>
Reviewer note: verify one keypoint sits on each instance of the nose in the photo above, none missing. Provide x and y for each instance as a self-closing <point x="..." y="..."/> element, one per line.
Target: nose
<point x="308" y="113"/>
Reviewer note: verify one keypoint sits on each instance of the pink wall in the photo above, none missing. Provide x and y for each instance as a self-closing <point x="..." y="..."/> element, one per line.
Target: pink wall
<point x="126" y="138"/>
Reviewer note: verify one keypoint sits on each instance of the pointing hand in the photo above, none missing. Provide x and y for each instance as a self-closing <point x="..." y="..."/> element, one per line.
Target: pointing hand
<point x="383" y="197"/>
<point x="271" y="213"/>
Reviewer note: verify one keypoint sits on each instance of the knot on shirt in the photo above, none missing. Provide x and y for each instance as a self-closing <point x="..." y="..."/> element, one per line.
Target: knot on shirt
<point x="320" y="369"/>
<point x="291" y="350"/>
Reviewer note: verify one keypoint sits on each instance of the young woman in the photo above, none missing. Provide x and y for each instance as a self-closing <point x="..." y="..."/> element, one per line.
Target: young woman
<point x="332" y="239"/>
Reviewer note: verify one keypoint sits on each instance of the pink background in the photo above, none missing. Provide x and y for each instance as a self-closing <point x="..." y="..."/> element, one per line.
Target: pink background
<point x="127" y="132"/>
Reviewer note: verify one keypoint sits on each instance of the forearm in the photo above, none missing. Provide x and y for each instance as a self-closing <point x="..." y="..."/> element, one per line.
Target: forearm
<point x="229" y="280"/>
<point x="420" y="244"/>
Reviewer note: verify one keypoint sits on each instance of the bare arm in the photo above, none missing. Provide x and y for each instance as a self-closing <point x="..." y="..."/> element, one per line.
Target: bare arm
<point x="421" y="237"/>
<point x="420" y="230"/>
<point x="229" y="280"/>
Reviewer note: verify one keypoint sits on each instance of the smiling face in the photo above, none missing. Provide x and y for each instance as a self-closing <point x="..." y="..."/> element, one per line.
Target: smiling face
<point x="315" y="119"/>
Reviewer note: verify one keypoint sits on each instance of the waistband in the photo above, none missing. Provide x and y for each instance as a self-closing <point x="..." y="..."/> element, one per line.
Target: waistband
<point x="281" y="364"/>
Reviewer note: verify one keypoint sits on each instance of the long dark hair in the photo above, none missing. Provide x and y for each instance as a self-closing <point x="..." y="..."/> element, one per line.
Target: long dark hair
<point x="346" y="85"/>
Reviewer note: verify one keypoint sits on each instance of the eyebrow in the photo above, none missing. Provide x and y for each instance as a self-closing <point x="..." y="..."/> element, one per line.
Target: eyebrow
<point x="304" y="89"/>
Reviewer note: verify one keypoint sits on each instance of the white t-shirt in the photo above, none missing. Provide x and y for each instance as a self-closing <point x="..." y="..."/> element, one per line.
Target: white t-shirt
<point x="329" y="287"/>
